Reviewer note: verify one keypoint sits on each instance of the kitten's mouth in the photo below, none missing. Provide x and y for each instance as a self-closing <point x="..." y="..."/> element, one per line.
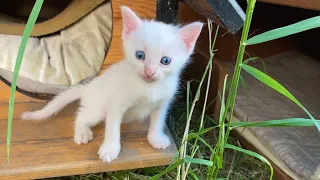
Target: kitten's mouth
<point x="148" y="79"/>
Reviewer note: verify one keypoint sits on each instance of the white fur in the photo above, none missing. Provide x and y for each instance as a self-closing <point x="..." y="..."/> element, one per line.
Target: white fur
<point x="122" y="93"/>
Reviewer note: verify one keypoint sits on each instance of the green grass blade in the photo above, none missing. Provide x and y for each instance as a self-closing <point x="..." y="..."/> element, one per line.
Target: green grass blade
<point x="27" y="31"/>
<point x="181" y="161"/>
<point x="243" y="84"/>
<point x="196" y="136"/>
<point x="291" y="122"/>
<point x="188" y="99"/>
<point x="203" y="131"/>
<point x="298" y="27"/>
<point x="251" y="153"/>
<point x="257" y="58"/>
<point x="223" y="102"/>
<point x="222" y="140"/>
<point x="278" y="87"/>
<point x="250" y="59"/>
<point x="193" y="175"/>
<point x="175" y="158"/>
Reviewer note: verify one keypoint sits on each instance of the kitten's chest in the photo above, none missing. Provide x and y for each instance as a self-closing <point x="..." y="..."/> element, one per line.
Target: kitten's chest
<point x="149" y="101"/>
<point x="140" y="111"/>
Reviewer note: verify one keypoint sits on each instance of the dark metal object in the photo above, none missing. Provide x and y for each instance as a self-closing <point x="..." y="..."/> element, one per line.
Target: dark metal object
<point x="167" y="11"/>
<point x="226" y="13"/>
<point x="229" y="12"/>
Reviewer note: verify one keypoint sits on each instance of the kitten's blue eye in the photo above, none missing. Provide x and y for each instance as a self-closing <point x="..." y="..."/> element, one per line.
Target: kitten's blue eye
<point x="165" y="60"/>
<point x="140" y="55"/>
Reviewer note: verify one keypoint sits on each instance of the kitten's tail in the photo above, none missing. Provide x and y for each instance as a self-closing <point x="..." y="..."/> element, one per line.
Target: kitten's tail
<point x="54" y="106"/>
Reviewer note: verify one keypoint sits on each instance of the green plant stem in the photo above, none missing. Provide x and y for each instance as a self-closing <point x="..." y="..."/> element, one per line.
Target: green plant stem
<point x="195" y="100"/>
<point x="27" y="31"/>
<point x="217" y="157"/>
<point x="182" y="150"/>
<point x="233" y="91"/>
<point x="211" y="47"/>
<point x="236" y="76"/>
<point x="209" y="75"/>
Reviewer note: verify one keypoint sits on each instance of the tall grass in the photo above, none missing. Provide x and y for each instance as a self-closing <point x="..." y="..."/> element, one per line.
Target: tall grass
<point x="26" y="34"/>
<point x="186" y="155"/>
<point x="225" y="125"/>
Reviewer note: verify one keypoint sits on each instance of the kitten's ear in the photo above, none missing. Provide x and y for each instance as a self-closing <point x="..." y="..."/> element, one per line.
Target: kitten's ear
<point x="189" y="34"/>
<point x="131" y="21"/>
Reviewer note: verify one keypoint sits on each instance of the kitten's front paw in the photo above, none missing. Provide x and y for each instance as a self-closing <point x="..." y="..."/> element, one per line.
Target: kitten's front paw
<point x="83" y="137"/>
<point x="159" y="141"/>
<point x="109" y="151"/>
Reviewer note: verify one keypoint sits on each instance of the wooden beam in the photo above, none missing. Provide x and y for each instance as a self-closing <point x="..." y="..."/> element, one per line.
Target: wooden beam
<point x="46" y="149"/>
<point x="306" y="4"/>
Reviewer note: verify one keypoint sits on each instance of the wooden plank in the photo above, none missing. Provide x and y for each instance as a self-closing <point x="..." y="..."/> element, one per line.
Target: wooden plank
<point x="115" y="53"/>
<point x="5" y="93"/>
<point x="144" y="9"/>
<point x="46" y="149"/>
<point x="306" y="4"/>
<point x="279" y="174"/>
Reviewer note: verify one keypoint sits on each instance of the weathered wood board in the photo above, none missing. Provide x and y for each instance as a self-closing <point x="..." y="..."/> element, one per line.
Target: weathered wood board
<point x="46" y="149"/>
<point x="307" y="4"/>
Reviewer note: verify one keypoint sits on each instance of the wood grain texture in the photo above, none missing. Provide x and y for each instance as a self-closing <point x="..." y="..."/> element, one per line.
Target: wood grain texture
<point x="115" y="53"/>
<point x="279" y="174"/>
<point x="19" y="97"/>
<point x="306" y="4"/>
<point x="46" y="149"/>
<point x="144" y="8"/>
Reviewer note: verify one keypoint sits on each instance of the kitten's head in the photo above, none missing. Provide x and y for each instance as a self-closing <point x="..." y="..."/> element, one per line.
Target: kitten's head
<point x="157" y="50"/>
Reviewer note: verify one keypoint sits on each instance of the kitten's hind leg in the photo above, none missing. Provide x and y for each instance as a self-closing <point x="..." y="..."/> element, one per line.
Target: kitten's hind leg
<point x="86" y="118"/>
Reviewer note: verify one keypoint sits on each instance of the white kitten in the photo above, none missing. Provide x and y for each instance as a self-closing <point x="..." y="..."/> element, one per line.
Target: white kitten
<point x="139" y="87"/>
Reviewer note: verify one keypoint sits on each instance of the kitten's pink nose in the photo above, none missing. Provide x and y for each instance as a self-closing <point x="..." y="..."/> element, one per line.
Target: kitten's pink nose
<point x="149" y="72"/>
